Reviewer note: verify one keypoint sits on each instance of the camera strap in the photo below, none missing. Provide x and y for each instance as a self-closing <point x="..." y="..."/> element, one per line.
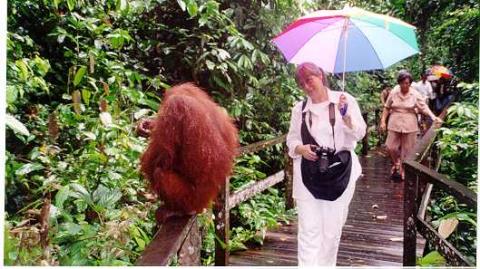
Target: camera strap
<point x="310" y="139"/>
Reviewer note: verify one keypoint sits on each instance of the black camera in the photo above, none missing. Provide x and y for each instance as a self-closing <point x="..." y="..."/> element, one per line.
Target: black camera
<point x="325" y="157"/>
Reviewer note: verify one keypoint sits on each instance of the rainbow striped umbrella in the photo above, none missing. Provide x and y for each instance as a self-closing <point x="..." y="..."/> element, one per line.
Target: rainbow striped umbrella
<point x="438" y="71"/>
<point x="351" y="39"/>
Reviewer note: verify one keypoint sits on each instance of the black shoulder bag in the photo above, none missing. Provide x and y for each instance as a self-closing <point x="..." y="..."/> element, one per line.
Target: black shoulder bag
<point x="328" y="177"/>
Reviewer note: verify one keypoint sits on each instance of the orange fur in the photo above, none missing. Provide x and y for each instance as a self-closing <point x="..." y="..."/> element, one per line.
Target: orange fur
<point x="191" y="151"/>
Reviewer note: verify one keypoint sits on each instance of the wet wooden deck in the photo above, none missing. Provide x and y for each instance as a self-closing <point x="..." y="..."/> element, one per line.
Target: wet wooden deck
<point x="371" y="237"/>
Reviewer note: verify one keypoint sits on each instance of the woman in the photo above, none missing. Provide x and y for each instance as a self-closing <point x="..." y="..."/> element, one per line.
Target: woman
<point x="401" y="108"/>
<point x="320" y="222"/>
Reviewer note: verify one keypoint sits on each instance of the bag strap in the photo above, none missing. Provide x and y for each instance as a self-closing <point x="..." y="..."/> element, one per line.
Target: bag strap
<point x="331" y="116"/>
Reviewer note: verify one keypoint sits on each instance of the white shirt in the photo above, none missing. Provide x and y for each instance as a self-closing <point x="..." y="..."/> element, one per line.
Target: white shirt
<point x="424" y="88"/>
<point x="321" y="130"/>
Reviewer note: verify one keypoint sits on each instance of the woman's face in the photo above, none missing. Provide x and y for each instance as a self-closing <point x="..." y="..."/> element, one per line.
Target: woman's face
<point x="405" y="85"/>
<point x="312" y="83"/>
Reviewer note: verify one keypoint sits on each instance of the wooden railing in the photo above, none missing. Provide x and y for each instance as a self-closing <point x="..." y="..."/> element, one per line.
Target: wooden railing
<point x="227" y="200"/>
<point x="177" y="237"/>
<point x="180" y="237"/>
<point x="419" y="181"/>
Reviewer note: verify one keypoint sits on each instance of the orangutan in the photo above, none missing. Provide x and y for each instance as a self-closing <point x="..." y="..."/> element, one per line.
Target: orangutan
<point x="193" y="143"/>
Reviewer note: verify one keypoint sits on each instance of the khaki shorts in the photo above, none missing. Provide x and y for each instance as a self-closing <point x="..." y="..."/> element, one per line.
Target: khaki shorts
<point x="401" y="143"/>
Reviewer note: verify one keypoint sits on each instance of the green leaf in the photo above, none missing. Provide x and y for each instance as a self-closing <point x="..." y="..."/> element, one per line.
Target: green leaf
<point x="55" y="3"/>
<point x="61" y="196"/>
<point x="86" y="96"/>
<point x="79" y="75"/>
<point x="28" y="168"/>
<point x="71" y="4"/>
<point x="192" y="8"/>
<point x="16" y="125"/>
<point x="210" y="64"/>
<point x="79" y="191"/>
<point x="12" y="94"/>
<point x="105" y="197"/>
<point x="22" y="65"/>
<point x="71" y="228"/>
<point x="432" y="259"/>
<point x="42" y="65"/>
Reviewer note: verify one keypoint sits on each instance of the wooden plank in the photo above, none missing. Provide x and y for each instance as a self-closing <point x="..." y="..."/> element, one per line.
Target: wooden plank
<point x="189" y="253"/>
<point x="252" y="190"/>
<point x="166" y="242"/>
<point x="456" y="189"/>
<point x="262" y="144"/>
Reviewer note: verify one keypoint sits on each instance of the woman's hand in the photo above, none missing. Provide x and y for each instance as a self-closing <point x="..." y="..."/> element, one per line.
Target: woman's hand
<point x="437" y="121"/>
<point x="348" y="121"/>
<point x="383" y="126"/>
<point x="306" y="152"/>
<point x="343" y="105"/>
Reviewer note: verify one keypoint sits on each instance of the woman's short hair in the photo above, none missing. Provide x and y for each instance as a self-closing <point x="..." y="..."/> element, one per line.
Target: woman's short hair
<point x="304" y="70"/>
<point x="402" y="75"/>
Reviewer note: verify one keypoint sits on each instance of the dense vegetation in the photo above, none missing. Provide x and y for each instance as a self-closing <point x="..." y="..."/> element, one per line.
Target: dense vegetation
<point x="82" y="72"/>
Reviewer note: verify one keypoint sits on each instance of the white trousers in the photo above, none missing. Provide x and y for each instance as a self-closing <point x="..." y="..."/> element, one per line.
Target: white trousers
<point x="320" y="224"/>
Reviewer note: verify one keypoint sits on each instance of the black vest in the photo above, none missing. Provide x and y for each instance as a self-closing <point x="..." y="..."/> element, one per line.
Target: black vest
<point x="331" y="184"/>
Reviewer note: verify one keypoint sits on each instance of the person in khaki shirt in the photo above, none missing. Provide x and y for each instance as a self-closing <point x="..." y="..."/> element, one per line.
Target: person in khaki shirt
<point x="402" y="107"/>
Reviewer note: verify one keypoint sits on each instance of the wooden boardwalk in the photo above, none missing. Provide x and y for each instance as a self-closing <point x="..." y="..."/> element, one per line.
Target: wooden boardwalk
<point x="373" y="233"/>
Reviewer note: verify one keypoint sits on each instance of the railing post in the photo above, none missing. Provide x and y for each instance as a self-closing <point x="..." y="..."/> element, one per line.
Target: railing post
<point x="409" y="215"/>
<point x="365" y="138"/>
<point x="289" y="203"/>
<point x="222" y="226"/>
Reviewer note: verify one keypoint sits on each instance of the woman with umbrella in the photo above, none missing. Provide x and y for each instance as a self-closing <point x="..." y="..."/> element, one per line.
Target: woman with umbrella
<point x="322" y="211"/>
<point x="401" y="108"/>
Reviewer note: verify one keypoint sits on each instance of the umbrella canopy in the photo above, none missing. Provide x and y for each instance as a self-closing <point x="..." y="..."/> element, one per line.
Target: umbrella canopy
<point x="438" y="71"/>
<point x="347" y="40"/>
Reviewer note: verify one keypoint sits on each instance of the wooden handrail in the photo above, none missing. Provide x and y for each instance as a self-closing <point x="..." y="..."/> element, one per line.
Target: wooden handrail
<point x="456" y="189"/>
<point x="418" y="177"/>
<point x="257" y="146"/>
<point x="227" y="200"/>
<point x="177" y="236"/>
<point x="253" y="189"/>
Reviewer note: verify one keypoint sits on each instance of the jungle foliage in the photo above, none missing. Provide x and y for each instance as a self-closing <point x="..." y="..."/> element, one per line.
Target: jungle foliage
<point x="80" y="73"/>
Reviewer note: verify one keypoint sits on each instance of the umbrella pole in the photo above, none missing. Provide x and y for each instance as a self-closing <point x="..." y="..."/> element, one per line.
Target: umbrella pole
<point x="345" y="34"/>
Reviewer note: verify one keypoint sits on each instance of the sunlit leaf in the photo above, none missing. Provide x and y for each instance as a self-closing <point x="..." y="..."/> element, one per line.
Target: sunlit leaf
<point x="79" y="75"/>
<point x="433" y="258"/>
<point x="16" y="125"/>
<point x="182" y="4"/>
<point x="22" y="65"/>
<point x="28" y="168"/>
<point x="447" y="226"/>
